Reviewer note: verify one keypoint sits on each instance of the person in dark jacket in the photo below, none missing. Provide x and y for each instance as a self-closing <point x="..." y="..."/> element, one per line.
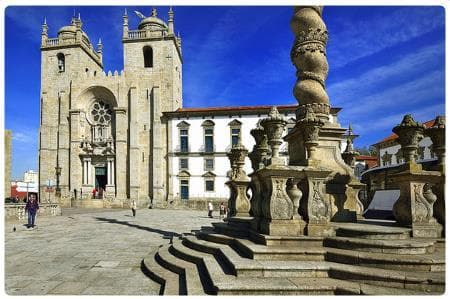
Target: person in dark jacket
<point x="31" y="207"/>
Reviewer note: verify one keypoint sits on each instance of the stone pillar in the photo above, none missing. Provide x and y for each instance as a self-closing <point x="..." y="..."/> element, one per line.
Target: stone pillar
<point x="110" y="188"/>
<point x="76" y="164"/>
<point x="134" y="151"/>
<point x="308" y="54"/>
<point x="238" y="203"/>
<point x="437" y="134"/>
<point x="258" y="158"/>
<point x="121" y="152"/>
<point x="316" y="207"/>
<point x="415" y="205"/>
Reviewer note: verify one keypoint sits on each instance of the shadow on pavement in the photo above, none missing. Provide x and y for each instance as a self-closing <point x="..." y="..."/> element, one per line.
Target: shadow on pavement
<point x="165" y="234"/>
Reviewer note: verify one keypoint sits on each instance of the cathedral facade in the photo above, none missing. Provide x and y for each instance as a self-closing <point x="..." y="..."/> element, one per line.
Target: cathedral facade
<point x="105" y="130"/>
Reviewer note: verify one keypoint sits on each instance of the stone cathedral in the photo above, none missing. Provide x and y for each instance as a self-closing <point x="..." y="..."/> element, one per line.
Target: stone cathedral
<point x="105" y="131"/>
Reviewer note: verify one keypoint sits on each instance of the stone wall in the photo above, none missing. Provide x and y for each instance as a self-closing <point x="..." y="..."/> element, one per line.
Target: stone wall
<point x="17" y="211"/>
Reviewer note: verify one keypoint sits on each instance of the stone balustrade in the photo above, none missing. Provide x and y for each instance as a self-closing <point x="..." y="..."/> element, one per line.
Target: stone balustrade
<point x="17" y="210"/>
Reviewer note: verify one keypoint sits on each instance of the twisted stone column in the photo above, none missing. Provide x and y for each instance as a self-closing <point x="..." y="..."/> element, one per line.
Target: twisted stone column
<point x="308" y="54"/>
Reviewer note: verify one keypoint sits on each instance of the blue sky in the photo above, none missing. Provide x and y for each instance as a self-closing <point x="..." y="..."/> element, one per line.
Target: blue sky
<point x="384" y="62"/>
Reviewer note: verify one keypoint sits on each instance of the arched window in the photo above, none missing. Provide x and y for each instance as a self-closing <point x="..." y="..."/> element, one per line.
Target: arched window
<point x="61" y="62"/>
<point x="148" y="56"/>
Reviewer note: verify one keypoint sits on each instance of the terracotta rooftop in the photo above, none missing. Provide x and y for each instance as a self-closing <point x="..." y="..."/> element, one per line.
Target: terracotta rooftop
<point x="261" y="109"/>
<point x="235" y="108"/>
<point x="394" y="136"/>
<point x="371" y="161"/>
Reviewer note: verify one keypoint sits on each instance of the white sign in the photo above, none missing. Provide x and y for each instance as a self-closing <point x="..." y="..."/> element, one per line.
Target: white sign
<point x="49" y="183"/>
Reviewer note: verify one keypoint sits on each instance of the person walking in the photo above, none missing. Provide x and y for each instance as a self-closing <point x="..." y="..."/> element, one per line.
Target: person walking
<point x="93" y="193"/>
<point x="31" y="207"/>
<point x="222" y="210"/>
<point x="210" y="209"/>
<point x="75" y="193"/>
<point x="133" y="207"/>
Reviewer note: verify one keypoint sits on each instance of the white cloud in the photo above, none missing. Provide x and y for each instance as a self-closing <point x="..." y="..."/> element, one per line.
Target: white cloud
<point x="416" y="62"/>
<point x="363" y="38"/>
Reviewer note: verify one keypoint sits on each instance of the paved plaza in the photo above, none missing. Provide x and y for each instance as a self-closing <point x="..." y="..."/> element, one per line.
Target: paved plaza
<point x="90" y="252"/>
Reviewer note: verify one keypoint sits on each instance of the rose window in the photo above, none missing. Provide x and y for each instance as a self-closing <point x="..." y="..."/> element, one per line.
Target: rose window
<point x="101" y="112"/>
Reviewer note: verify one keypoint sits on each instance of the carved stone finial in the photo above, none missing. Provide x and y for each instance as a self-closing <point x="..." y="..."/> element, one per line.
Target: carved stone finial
<point x="410" y="132"/>
<point x="154" y="12"/>
<point x="274" y="126"/>
<point x="437" y="134"/>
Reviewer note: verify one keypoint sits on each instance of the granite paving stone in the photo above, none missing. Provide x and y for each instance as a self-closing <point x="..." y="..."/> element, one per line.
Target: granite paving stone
<point x="90" y="252"/>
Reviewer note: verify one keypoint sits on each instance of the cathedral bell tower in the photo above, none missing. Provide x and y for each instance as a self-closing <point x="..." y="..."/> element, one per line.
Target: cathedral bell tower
<point x="63" y="59"/>
<point x="153" y="69"/>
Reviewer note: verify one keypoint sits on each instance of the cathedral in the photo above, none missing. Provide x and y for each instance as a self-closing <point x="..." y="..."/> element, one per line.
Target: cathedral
<point x="105" y="131"/>
<point x="107" y="138"/>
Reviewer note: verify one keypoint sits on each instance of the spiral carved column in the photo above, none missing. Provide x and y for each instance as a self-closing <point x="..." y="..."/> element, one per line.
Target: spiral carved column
<point x="308" y="54"/>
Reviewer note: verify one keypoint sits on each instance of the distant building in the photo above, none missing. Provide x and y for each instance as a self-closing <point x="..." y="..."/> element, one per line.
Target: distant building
<point x="31" y="176"/>
<point x="364" y="163"/>
<point x="389" y="157"/>
<point x="8" y="139"/>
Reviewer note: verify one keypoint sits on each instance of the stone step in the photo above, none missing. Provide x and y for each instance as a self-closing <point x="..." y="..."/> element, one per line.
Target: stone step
<point x="245" y="267"/>
<point x="261" y="252"/>
<point x="432" y="262"/>
<point x="211" y="272"/>
<point x="189" y="276"/>
<point x="381" y="246"/>
<point x="229" y="230"/>
<point x="168" y="280"/>
<point x="370" y="231"/>
<point x="421" y="281"/>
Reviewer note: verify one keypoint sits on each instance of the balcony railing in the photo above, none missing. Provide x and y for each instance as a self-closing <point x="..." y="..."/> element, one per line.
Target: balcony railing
<point x="183" y="149"/>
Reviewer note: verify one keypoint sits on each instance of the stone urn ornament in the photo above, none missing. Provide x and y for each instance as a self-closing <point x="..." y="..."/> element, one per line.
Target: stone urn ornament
<point x="410" y="132"/>
<point x="274" y="127"/>
<point x="310" y="126"/>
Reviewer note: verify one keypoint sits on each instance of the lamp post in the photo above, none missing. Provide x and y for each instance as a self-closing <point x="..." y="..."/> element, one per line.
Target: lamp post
<point x="58" y="173"/>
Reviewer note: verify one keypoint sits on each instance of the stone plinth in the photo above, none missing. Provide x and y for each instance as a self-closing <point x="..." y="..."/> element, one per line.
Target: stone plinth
<point x="415" y="205"/>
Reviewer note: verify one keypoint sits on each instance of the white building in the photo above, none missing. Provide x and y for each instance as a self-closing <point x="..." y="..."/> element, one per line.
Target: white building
<point x="31" y="176"/>
<point x="199" y="140"/>
<point x="389" y="153"/>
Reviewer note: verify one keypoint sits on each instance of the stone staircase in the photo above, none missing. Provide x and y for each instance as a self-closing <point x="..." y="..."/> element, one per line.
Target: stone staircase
<point x="361" y="259"/>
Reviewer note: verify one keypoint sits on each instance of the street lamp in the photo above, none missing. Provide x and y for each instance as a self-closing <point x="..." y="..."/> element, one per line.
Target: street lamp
<point x="58" y="173"/>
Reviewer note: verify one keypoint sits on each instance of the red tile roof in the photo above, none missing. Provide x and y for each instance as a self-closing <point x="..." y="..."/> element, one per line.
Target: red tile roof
<point x="370" y="161"/>
<point x="394" y="136"/>
<point x="235" y="108"/>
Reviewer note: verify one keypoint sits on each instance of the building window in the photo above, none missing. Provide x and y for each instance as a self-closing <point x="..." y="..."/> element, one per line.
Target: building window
<point x="184" y="163"/>
<point x="209" y="139"/>
<point x="432" y="154"/>
<point x="184" y="141"/>
<point x="387" y="159"/>
<point x="209" y="185"/>
<point x="399" y="156"/>
<point x="61" y="62"/>
<point x="184" y="189"/>
<point x="209" y="163"/>
<point x="421" y="153"/>
<point x="148" y="56"/>
<point x="235" y="133"/>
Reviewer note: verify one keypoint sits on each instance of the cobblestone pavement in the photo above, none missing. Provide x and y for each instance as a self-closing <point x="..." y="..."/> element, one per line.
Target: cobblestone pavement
<point x="96" y="252"/>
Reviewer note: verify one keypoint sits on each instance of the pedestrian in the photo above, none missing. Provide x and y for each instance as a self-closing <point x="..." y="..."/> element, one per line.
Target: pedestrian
<point x="93" y="192"/>
<point x="31" y="207"/>
<point x="75" y="193"/>
<point x="133" y="207"/>
<point x="81" y="193"/>
<point x="222" y="210"/>
<point x="210" y="209"/>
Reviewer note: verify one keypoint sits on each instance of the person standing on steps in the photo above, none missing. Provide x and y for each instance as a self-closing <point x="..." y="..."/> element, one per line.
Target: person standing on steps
<point x="31" y="207"/>
<point x="210" y="209"/>
<point x="133" y="207"/>
<point x="222" y="210"/>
